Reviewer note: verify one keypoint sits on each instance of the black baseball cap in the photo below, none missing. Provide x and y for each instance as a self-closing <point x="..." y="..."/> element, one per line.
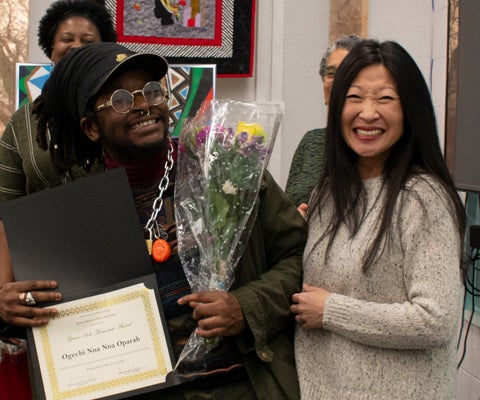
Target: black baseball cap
<point x="80" y="75"/>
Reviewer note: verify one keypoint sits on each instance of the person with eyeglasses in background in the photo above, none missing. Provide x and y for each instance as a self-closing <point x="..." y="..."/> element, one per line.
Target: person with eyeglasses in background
<point x="309" y="157"/>
<point x="108" y="105"/>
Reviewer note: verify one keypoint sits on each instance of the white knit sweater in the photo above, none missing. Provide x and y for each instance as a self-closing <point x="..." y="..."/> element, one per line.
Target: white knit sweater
<point x="389" y="333"/>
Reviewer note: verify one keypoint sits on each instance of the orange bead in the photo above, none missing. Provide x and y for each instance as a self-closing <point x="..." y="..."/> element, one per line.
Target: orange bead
<point x="161" y="250"/>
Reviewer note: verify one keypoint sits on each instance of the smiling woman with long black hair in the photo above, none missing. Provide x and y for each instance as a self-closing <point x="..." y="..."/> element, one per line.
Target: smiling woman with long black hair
<point x="381" y="300"/>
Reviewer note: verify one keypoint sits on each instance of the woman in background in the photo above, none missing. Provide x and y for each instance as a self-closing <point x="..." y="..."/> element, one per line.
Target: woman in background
<point x="381" y="301"/>
<point x="309" y="157"/>
<point x="66" y="25"/>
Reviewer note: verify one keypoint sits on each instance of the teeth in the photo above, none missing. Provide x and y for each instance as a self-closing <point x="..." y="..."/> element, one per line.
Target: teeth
<point x="142" y="124"/>
<point x="369" y="133"/>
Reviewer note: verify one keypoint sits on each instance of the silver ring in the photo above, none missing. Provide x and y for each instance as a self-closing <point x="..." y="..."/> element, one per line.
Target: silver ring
<point x="30" y="300"/>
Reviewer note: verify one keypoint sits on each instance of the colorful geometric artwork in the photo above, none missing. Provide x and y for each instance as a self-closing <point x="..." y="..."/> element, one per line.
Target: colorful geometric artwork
<point x="190" y="85"/>
<point x="30" y="78"/>
<point x="217" y="32"/>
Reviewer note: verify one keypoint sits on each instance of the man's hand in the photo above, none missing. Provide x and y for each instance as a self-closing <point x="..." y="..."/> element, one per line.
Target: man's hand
<point x="14" y="309"/>
<point x="218" y="313"/>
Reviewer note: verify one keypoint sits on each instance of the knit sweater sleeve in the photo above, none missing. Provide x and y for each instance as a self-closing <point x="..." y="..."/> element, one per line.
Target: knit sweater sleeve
<point x="428" y="315"/>
<point x="12" y="176"/>
<point x="306" y="166"/>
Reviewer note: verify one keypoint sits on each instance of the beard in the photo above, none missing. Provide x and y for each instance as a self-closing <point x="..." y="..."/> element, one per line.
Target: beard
<point x="129" y="151"/>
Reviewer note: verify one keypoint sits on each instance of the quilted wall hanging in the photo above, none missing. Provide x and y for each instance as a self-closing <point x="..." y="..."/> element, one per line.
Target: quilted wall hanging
<point x="217" y="32"/>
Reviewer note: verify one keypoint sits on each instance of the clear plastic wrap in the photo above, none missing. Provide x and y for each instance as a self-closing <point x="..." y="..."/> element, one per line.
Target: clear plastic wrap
<point x="223" y="152"/>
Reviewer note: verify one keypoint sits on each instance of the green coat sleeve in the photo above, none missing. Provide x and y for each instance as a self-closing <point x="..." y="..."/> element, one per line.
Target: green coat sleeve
<point x="269" y="272"/>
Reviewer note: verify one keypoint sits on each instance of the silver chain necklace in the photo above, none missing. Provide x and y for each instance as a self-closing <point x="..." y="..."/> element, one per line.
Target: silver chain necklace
<point x="155" y="231"/>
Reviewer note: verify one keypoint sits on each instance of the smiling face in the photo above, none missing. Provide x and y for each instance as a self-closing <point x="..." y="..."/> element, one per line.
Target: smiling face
<point x="71" y="33"/>
<point x="133" y="134"/>
<point x="372" y="118"/>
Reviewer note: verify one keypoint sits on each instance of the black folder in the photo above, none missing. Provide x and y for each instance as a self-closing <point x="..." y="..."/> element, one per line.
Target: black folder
<point x="86" y="236"/>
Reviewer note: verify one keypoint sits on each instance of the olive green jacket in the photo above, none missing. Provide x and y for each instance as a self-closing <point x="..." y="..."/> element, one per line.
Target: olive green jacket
<point x="267" y="276"/>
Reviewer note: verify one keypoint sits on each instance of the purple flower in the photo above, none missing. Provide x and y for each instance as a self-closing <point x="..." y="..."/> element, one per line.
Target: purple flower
<point x="225" y="137"/>
<point x="249" y="148"/>
<point x="263" y="152"/>
<point x="257" y="139"/>
<point x="201" y="136"/>
<point x="242" y="137"/>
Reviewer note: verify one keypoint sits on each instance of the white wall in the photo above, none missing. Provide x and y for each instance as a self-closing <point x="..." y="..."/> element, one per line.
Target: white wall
<point x="422" y="28"/>
<point x="36" y="9"/>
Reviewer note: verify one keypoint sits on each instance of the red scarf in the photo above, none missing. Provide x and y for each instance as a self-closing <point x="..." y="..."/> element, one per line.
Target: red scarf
<point x="144" y="173"/>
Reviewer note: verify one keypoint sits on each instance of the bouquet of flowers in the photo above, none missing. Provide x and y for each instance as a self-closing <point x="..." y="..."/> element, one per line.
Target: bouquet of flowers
<point x="223" y="152"/>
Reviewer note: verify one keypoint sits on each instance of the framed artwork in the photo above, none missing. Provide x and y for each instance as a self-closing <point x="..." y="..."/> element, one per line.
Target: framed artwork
<point x="219" y="32"/>
<point x="30" y="79"/>
<point x="190" y="85"/>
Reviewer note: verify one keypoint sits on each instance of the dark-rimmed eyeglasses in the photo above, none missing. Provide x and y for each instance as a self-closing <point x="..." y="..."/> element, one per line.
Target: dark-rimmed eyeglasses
<point x="122" y="100"/>
<point x="330" y="72"/>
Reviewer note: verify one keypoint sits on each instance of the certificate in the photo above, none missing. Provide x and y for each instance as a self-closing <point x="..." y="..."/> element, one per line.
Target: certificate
<point x="103" y="345"/>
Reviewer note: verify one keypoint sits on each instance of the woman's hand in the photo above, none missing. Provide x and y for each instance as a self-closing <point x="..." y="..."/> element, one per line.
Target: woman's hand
<point x="218" y="313"/>
<point x="14" y="299"/>
<point x="308" y="306"/>
<point x="302" y="209"/>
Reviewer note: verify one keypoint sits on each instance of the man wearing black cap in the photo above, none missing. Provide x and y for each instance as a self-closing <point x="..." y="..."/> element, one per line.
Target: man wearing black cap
<point x="108" y="106"/>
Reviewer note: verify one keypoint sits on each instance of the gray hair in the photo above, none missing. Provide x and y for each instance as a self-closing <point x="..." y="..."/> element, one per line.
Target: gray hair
<point x="347" y="42"/>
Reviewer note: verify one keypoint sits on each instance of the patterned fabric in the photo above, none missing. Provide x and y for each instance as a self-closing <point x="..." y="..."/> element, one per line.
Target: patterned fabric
<point x="230" y="47"/>
<point x="306" y="166"/>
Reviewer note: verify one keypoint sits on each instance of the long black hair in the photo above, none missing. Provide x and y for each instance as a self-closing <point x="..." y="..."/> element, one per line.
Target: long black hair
<point x="62" y="136"/>
<point x="417" y="152"/>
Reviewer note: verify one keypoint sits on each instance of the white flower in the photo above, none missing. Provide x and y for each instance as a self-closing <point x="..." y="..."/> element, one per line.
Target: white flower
<point x="228" y="188"/>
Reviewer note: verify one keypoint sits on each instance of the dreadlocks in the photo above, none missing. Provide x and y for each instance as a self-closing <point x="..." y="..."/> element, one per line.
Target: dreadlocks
<point x="63" y="137"/>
